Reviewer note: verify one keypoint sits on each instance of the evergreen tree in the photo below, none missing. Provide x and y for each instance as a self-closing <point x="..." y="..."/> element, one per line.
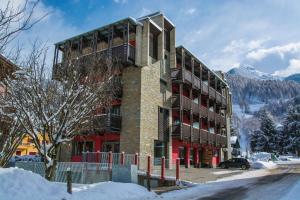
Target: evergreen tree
<point x="292" y="129"/>
<point x="258" y="141"/>
<point x="265" y="139"/>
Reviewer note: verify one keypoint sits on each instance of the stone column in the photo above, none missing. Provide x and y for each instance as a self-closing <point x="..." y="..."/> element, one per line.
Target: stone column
<point x="145" y="43"/>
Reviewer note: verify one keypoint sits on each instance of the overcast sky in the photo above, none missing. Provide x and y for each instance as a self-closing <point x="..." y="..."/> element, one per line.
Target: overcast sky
<point x="221" y="33"/>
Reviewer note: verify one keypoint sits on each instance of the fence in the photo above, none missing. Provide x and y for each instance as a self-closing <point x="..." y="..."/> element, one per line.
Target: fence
<point x="84" y="173"/>
<point x="98" y="167"/>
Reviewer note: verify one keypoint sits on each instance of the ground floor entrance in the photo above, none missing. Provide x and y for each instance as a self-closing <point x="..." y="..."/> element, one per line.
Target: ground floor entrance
<point x="195" y="155"/>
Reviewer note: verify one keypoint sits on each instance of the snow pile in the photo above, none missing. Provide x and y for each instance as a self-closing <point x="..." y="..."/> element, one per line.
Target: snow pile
<point x="19" y="184"/>
<point x="112" y="190"/>
<point x="263" y="165"/>
<point x="260" y="156"/>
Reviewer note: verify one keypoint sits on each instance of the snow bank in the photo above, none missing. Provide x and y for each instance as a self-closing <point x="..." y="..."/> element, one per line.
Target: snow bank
<point x="111" y="191"/>
<point x="260" y="156"/>
<point x="263" y="165"/>
<point x="19" y="184"/>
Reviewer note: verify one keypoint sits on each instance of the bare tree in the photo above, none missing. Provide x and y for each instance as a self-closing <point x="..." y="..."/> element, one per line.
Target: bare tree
<point x="15" y="19"/>
<point x="58" y="110"/>
<point x="11" y="136"/>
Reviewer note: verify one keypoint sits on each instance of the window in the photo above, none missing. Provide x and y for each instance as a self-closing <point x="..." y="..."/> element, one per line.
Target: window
<point x="153" y="46"/>
<point x="167" y="40"/>
<point x="196" y="125"/>
<point x="115" y="110"/>
<point x="82" y="146"/>
<point x="111" y="146"/>
<point x="159" y="149"/>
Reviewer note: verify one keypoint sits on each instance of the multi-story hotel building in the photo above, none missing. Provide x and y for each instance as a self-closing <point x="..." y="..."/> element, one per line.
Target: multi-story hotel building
<point x="171" y="105"/>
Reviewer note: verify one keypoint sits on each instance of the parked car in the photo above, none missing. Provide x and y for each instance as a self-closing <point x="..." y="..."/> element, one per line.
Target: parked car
<point x="235" y="163"/>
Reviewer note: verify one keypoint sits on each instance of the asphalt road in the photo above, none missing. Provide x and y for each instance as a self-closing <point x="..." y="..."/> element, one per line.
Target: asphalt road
<point x="271" y="187"/>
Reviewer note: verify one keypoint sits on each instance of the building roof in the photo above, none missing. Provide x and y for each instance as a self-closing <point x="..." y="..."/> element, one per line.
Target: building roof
<point x="131" y="20"/>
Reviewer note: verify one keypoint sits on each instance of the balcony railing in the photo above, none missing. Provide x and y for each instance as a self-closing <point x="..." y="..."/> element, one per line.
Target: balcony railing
<point x="195" y="135"/>
<point x="107" y="122"/>
<point x="203" y="136"/>
<point x="197" y="82"/>
<point x="195" y="107"/>
<point x="212" y="93"/>
<point x="223" y="101"/>
<point x="186" y="102"/>
<point x="186" y="76"/>
<point x="204" y="88"/>
<point x="203" y="111"/>
<point x="218" y="97"/>
<point x="124" y="53"/>
<point x="211" y="115"/>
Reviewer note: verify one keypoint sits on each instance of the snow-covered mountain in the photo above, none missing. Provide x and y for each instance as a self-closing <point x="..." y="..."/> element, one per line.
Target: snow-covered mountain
<point x="293" y="77"/>
<point x="249" y="71"/>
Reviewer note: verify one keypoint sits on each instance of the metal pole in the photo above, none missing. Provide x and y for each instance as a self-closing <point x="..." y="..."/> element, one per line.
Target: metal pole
<point x="148" y="172"/>
<point x="69" y="181"/>
<point x="163" y="168"/>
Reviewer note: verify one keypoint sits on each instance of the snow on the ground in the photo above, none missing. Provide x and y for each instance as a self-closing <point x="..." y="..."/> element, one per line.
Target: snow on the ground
<point x="226" y="172"/>
<point x="111" y="191"/>
<point x="252" y="107"/>
<point x="207" y="189"/>
<point x="245" y="175"/>
<point x="19" y="184"/>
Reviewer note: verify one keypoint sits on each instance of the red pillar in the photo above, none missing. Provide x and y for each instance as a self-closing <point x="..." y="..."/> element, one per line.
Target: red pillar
<point x="187" y="156"/>
<point x="136" y="158"/>
<point x="196" y="157"/>
<point x="163" y="168"/>
<point x="110" y="160"/>
<point x="149" y="165"/>
<point x="122" y="158"/>
<point x="214" y="158"/>
<point x="177" y="168"/>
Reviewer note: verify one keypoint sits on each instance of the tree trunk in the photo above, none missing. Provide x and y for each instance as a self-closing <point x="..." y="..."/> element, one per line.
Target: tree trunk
<point x="50" y="168"/>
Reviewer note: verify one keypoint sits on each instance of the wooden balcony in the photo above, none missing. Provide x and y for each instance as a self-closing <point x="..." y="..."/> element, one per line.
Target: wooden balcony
<point x="203" y="111"/>
<point x="188" y="133"/>
<point x="203" y="136"/>
<point x="182" y="131"/>
<point x="124" y="54"/>
<point x="212" y="93"/>
<point x="195" y="107"/>
<point x="196" y="82"/>
<point x="186" y="77"/>
<point x="204" y="87"/>
<point x="218" y="118"/>
<point x="224" y="101"/>
<point x="185" y="102"/>
<point x="107" y="123"/>
<point x="211" y="138"/>
<point x="211" y="115"/>
<point x="195" y="135"/>
<point x="218" y="97"/>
